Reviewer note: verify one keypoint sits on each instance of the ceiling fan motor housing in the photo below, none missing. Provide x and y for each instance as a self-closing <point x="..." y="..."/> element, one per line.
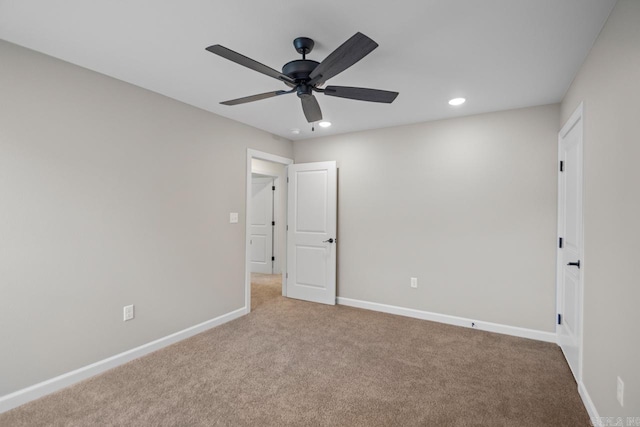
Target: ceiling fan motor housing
<point x="299" y="69"/>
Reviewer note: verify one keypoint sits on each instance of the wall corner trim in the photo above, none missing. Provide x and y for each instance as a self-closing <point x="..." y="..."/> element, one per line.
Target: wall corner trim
<point x="25" y="395"/>
<point x="588" y="404"/>
<point x="452" y="320"/>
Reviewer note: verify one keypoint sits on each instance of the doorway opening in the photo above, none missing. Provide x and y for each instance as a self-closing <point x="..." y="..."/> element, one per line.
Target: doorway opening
<point x="266" y="219"/>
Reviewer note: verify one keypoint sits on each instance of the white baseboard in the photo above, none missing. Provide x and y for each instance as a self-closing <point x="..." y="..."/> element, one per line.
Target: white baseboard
<point x="36" y="391"/>
<point x="588" y="403"/>
<point x="452" y="320"/>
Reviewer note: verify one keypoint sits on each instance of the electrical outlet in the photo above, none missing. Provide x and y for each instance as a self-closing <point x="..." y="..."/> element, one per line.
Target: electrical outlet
<point x="620" y="392"/>
<point x="128" y="312"/>
<point x="233" y="217"/>
<point x="414" y="282"/>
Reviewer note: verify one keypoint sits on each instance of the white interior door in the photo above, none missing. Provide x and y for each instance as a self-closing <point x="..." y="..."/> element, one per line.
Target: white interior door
<point x="261" y="225"/>
<point x="570" y="246"/>
<point x="311" y="235"/>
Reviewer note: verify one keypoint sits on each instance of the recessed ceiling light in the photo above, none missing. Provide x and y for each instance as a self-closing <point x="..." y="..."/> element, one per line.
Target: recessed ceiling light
<point x="324" y="124"/>
<point x="457" y="101"/>
<point x="295" y="131"/>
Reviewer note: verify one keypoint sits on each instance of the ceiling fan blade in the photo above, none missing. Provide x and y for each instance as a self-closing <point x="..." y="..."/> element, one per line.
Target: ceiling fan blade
<point x="350" y="52"/>
<point x="256" y="97"/>
<point x="311" y="108"/>
<point x="361" y="94"/>
<point x="248" y="62"/>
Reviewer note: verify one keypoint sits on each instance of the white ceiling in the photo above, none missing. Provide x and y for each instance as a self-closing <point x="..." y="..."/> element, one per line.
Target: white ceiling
<point x="499" y="54"/>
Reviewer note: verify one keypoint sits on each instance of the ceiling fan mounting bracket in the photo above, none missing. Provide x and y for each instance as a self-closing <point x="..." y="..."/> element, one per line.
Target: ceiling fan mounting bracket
<point x="303" y="45"/>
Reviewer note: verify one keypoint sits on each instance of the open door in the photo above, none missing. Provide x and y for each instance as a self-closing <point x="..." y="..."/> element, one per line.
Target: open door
<point x="570" y="244"/>
<point x="311" y="234"/>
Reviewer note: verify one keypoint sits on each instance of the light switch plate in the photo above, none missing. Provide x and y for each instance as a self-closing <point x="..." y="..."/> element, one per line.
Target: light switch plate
<point x="233" y="217"/>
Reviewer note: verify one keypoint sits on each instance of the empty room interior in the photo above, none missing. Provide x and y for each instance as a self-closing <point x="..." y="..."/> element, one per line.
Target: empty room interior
<point x="335" y="213"/>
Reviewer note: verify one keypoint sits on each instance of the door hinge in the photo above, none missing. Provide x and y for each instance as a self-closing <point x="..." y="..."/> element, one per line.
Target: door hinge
<point x="287" y="227"/>
<point x="273" y="223"/>
<point x="561" y="165"/>
<point x="560" y="242"/>
<point x="273" y="188"/>
<point x="287" y="276"/>
<point x="559" y="319"/>
<point x="273" y="258"/>
<point x="287" y="179"/>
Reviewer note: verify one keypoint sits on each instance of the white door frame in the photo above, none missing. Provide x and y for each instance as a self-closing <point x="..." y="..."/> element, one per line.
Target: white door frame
<point x="255" y="154"/>
<point x="575" y="119"/>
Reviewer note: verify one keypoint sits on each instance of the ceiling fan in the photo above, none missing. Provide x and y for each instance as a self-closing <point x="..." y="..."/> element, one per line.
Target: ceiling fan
<point x="305" y="76"/>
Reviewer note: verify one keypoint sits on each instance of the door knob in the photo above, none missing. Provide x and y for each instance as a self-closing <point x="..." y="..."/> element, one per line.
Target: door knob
<point x="328" y="241"/>
<point x="575" y="264"/>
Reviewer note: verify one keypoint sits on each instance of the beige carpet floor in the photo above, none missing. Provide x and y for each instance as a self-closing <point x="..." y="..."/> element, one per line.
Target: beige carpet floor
<point x="293" y="363"/>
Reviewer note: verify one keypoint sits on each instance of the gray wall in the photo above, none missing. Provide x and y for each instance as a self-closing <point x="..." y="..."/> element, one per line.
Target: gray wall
<point x="466" y="205"/>
<point x="110" y="195"/>
<point x="609" y="85"/>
